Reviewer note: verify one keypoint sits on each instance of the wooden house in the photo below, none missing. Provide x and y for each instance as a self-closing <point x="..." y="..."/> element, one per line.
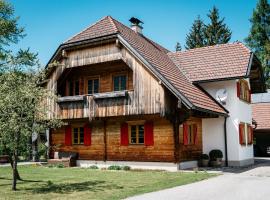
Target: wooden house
<point x="124" y="97"/>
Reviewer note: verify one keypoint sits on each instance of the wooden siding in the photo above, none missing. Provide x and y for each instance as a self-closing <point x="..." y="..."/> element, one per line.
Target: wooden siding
<point x="146" y="94"/>
<point x="162" y="150"/>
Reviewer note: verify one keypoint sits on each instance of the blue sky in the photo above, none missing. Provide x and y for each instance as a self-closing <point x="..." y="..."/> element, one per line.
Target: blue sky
<point x="48" y="23"/>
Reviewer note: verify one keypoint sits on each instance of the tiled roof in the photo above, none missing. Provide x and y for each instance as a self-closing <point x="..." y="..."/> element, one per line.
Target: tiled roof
<point x="261" y="114"/>
<point x="213" y="62"/>
<point x="156" y="55"/>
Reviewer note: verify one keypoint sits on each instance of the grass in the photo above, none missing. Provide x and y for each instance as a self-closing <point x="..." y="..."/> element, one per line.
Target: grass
<point x="76" y="183"/>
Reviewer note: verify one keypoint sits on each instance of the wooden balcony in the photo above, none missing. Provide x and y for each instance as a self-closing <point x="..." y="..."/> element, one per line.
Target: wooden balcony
<point x="96" y="105"/>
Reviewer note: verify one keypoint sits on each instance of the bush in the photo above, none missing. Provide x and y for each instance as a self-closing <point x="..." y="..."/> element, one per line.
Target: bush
<point x="215" y="153"/>
<point x="114" y="167"/>
<point x="126" y="168"/>
<point x="204" y="157"/>
<point x="56" y="165"/>
<point x="93" y="167"/>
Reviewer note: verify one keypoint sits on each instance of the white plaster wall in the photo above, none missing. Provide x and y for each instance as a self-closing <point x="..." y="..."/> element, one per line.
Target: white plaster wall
<point x="239" y="111"/>
<point x="212" y="134"/>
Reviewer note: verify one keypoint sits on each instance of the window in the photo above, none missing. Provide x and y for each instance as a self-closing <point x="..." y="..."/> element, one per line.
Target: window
<point x="136" y="134"/>
<point x="245" y="134"/>
<point x="92" y="86"/>
<point x="188" y="134"/>
<point x="78" y="135"/>
<point x="119" y="82"/>
<point x="74" y="88"/>
<point x="243" y="91"/>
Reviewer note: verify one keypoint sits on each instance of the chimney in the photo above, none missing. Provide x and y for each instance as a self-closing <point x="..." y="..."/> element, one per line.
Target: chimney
<point x="136" y="25"/>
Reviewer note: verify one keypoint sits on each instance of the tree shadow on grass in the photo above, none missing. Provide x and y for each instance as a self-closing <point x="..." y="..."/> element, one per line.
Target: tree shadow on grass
<point x="65" y="188"/>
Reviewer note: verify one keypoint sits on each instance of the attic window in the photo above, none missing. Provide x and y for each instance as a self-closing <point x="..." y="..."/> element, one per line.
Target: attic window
<point x="243" y="91"/>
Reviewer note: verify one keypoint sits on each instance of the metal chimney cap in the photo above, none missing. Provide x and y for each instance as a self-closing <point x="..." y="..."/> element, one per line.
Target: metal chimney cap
<point x="135" y="21"/>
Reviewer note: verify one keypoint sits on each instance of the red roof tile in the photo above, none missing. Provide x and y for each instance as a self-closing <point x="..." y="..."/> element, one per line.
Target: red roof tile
<point x="213" y="62"/>
<point x="261" y="114"/>
<point x="156" y="55"/>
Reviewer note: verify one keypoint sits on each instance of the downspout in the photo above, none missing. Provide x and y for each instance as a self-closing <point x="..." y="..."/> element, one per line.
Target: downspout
<point x="225" y="141"/>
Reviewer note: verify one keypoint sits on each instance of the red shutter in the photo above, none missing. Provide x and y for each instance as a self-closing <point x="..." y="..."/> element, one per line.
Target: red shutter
<point x="185" y="134"/>
<point x="195" y="132"/>
<point x="238" y="88"/>
<point x="124" y="134"/>
<point x="87" y="134"/>
<point x="68" y="136"/>
<point x="149" y="133"/>
<point x="241" y="139"/>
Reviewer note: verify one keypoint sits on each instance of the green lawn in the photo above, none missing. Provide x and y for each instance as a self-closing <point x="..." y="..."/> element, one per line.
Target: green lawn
<point x="76" y="183"/>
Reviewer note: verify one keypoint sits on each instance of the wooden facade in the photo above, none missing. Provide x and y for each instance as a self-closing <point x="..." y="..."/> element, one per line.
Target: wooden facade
<point x="105" y="144"/>
<point x="145" y="99"/>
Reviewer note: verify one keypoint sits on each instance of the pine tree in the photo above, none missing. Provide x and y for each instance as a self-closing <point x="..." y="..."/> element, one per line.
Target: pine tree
<point x="259" y="37"/>
<point x="178" y="46"/>
<point x="216" y="32"/>
<point x="195" y="38"/>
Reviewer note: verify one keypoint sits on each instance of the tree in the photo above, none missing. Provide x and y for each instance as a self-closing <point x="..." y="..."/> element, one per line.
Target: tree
<point x="196" y="37"/>
<point x="10" y="32"/>
<point x="259" y="36"/>
<point x="22" y="108"/>
<point x="216" y="32"/>
<point x="178" y="46"/>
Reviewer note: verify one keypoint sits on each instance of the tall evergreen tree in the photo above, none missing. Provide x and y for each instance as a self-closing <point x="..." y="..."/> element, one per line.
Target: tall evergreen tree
<point x="178" y="47"/>
<point x="216" y="32"/>
<point x="259" y="37"/>
<point x="195" y="38"/>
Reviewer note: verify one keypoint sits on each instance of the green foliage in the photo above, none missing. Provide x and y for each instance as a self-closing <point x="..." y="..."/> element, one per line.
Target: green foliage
<point x="215" y="153"/>
<point x="114" y="167"/>
<point x="216" y="32"/>
<point x="178" y="47"/>
<point x="22" y="98"/>
<point x="259" y="36"/>
<point x="59" y="165"/>
<point x="10" y="32"/>
<point x="93" y="167"/>
<point x="195" y="38"/>
<point x="126" y="168"/>
<point x="204" y="157"/>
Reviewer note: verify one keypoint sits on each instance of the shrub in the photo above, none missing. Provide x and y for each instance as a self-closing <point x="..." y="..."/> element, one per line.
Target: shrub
<point x="93" y="167"/>
<point x="114" y="167"/>
<point x="60" y="165"/>
<point x="126" y="168"/>
<point x="215" y="153"/>
<point x="204" y="157"/>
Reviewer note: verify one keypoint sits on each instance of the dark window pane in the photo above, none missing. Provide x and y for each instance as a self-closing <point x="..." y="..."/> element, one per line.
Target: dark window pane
<point x="71" y="88"/>
<point x="75" y="136"/>
<point x="116" y="83"/>
<point x="90" y="86"/>
<point x="141" y="134"/>
<point x="133" y="135"/>
<point x="77" y="88"/>
<point x="123" y="82"/>
<point x="96" y="86"/>
<point x="81" y="136"/>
